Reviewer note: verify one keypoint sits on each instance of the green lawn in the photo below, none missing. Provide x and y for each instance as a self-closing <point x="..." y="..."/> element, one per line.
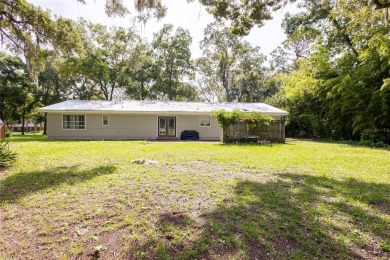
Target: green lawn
<point x="73" y="199"/>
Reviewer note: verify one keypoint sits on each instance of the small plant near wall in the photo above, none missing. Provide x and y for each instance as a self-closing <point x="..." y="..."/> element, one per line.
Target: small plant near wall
<point x="7" y="156"/>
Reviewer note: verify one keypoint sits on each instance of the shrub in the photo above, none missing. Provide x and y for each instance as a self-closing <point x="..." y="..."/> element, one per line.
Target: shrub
<point x="7" y="156"/>
<point x="8" y="133"/>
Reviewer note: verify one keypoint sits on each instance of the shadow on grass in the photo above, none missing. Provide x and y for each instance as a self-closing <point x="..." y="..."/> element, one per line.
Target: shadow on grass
<point x="254" y="144"/>
<point x="353" y="144"/>
<point x="295" y="216"/>
<point x="27" y="138"/>
<point x="18" y="185"/>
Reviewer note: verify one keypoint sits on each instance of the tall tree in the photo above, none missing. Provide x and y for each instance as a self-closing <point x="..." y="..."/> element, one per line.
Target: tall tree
<point x="230" y="67"/>
<point x="298" y="45"/>
<point x="28" y="30"/>
<point x="107" y="57"/>
<point x="221" y="50"/>
<point x="341" y="88"/>
<point x="75" y="72"/>
<point x="17" y="94"/>
<point x="140" y="69"/>
<point x="249" y="76"/>
<point x="172" y="56"/>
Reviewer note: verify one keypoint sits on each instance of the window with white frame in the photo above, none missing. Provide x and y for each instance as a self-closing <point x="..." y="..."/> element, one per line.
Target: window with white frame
<point x="105" y="120"/>
<point x="73" y="121"/>
<point x="204" y="120"/>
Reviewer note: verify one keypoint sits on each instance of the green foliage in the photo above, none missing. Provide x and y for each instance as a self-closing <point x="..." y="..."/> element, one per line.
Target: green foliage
<point x="243" y="14"/>
<point x="18" y="95"/>
<point x="108" y="57"/>
<point x="254" y="119"/>
<point x="30" y="31"/>
<point x="8" y="133"/>
<point x="141" y="72"/>
<point x="7" y="156"/>
<point x="230" y="69"/>
<point x="225" y="118"/>
<point x="339" y="88"/>
<point x="172" y="62"/>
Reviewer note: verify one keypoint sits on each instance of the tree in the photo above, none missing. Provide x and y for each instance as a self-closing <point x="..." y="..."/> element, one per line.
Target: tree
<point x="298" y="45"/>
<point x="172" y="62"/>
<point x="53" y="86"/>
<point x="17" y="95"/>
<point x="340" y="89"/>
<point x="12" y="80"/>
<point x="206" y="82"/>
<point x="244" y="14"/>
<point x="230" y="67"/>
<point x="249" y="76"/>
<point x="107" y="55"/>
<point x="221" y="50"/>
<point x="75" y="72"/>
<point x="27" y="30"/>
<point x="140" y="69"/>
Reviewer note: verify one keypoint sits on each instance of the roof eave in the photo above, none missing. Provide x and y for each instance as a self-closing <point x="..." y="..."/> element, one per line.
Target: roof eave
<point x="42" y="110"/>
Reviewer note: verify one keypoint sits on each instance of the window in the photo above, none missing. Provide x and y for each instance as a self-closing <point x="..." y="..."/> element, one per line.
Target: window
<point x="105" y="120"/>
<point x="204" y="120"/>
<point x="73" y="121"/>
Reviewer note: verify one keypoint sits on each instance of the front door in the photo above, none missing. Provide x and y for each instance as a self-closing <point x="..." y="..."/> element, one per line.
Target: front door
<point x="166" y="126"/>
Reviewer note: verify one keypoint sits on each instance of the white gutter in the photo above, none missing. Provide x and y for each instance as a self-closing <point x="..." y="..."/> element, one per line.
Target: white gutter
<point x="284" y="113"/>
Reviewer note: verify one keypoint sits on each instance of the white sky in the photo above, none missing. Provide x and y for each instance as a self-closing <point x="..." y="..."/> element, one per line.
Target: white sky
<point x="191" y="16"/>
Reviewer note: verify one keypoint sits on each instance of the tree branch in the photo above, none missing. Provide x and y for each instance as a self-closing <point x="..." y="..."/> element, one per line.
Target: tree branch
<point x="378" y="5"/>
<point x="346" y="37"/>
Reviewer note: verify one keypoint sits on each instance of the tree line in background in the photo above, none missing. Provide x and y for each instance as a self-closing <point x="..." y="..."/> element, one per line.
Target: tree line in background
<point x="331" y="74"/>
<point x="334" y="70"/>
<point x="117" y="63"/>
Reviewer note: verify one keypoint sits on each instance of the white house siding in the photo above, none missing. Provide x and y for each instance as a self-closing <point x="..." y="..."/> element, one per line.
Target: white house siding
<point x="126" y="126"/>
<point x="121" y="126"/>
<point x="192" y="122"/>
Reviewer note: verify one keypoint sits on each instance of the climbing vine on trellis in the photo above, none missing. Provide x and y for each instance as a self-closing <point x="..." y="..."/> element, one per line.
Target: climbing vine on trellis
<point x="254" y="119"/>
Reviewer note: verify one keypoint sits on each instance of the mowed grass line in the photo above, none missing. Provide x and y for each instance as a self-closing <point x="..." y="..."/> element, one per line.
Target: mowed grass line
<point x="86" y="199"/>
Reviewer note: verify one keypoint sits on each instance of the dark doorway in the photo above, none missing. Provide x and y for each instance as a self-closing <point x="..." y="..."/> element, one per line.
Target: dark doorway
<point x="166" y="126"/>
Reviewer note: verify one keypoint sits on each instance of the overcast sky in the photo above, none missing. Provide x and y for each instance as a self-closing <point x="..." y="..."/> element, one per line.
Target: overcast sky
<point x="180" y="13"/>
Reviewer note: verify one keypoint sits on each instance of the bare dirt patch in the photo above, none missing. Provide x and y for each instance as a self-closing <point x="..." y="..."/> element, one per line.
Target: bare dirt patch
<point x="382" y="205"/>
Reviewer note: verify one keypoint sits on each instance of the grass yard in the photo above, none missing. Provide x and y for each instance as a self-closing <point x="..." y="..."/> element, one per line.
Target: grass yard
<point x="87" y="200"/>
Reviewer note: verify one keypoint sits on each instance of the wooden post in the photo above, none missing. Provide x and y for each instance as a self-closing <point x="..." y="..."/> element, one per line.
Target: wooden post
<point x="2" y="131"/>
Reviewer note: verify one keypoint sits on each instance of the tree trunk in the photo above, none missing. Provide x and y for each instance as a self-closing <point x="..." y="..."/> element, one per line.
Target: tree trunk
<point x="45" y="125"/>
<point x="23" y="116"/>
<point x="112" y="91"/>
<point x="379" y="5"/>
<point x="142" y="90"/>
<point x="347" y="38"/>
<point x="1" y="109"/>
<point x="170" y="83"/>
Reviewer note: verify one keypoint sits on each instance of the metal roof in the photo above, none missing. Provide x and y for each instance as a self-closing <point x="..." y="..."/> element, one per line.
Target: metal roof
<point x="158" y="106"/>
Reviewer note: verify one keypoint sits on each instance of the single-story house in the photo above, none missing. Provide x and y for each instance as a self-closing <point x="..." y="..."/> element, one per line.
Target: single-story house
<point x="91" y="119"/>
